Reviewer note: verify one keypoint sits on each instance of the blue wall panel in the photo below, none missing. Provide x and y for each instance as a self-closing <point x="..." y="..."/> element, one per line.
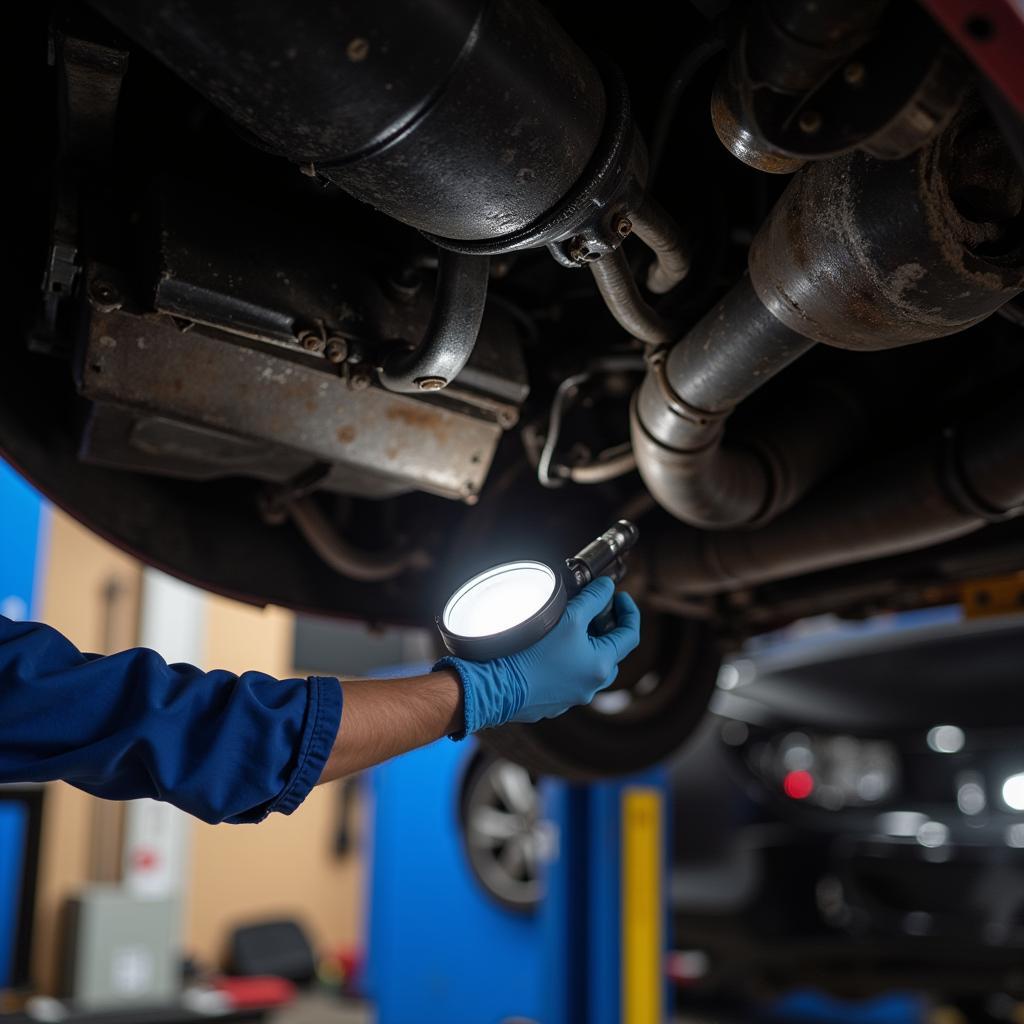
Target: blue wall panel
<point x="13" y="822"/>
<point x="21" y="517"/>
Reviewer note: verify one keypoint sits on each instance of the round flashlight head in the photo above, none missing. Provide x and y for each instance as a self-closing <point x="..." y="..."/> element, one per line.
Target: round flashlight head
<point x="502" y="610"/>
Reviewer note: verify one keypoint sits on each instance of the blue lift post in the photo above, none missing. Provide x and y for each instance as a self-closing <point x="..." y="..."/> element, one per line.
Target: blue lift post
<point x="440" y="949"/>
<point x="604" y="918"/>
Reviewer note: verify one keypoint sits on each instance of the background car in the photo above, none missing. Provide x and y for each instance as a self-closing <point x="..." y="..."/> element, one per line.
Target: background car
<point x="850" y="818"/>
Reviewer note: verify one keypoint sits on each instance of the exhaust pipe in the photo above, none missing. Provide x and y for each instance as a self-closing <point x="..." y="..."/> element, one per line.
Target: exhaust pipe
<point x="970" y="476"/>
<point x="858" y="253"/>
<point x="468" y="120"/>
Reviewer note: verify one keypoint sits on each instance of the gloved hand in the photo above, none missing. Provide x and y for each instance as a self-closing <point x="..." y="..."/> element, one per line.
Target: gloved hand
<point x="565" y="668"/>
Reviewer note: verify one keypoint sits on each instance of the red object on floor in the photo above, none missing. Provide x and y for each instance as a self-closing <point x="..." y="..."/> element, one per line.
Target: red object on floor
<point x="255" y="992"/>
<point x="347" y="963"/>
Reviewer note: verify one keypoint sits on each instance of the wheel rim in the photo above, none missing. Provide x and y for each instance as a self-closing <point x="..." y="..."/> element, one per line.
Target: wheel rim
<point x="502" y="832"/>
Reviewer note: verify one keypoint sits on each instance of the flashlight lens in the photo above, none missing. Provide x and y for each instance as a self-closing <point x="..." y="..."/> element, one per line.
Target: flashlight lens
<point x="499" y="598"/>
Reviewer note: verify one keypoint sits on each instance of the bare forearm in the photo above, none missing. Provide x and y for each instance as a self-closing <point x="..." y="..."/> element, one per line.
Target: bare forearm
<point x="386" y="717"/>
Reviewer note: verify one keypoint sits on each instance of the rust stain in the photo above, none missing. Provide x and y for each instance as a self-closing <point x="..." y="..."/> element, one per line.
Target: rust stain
<point x="346" y="434"/>
<point x="415" y="415"/>
<point x="391" y="453"/>
<point x="420" y="417"/>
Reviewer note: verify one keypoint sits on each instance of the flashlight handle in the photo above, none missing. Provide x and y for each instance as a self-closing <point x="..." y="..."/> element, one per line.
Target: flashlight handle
<point x="604" y="556"/>
<point x="604" y="622"/>
<point x="579" y="574"/>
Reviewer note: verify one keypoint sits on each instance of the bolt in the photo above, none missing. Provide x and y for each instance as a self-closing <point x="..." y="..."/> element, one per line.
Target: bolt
<point x="358" y="49"/>
<point x="105" y="297"/>
<point x="430" y="383"/>
<point x="311" y="341"/>
<point x="854" y="72"/>
<point x="579" y="250"/>
<point x="359" y="381"/>
<point x="623" y="226"/>
<point x="809" y="122"/>
<point x="508" y="417"/>
<point x="336" y="350"/>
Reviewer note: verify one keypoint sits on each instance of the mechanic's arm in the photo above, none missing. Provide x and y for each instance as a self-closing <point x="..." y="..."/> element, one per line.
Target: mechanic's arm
<point x="235" y="748"/>
<point x="219" y="746"/>
<point x="386" y="717"/>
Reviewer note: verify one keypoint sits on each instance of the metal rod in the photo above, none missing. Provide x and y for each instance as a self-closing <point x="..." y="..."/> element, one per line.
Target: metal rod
<point x="660" y="233"/>
<point x="622" y="297"/>
<point x="549" y="474"/>
<point x="452" y="331"/>
<point x="343" y="557"/>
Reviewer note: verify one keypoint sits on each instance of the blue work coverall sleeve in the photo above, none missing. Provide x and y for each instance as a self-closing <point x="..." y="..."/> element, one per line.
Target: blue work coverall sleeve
<point x="219" y="746"/>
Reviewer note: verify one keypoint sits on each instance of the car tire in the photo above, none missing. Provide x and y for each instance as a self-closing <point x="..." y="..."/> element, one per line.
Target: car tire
<point x="658" y="701"/>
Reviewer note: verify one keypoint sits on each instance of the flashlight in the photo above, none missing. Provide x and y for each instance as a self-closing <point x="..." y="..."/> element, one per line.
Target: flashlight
<point x="510" y="606"/>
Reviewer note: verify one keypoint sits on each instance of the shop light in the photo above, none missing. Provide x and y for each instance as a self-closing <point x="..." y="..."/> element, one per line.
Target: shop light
<point x="946" y="739"/>
<point x="1013" y="792"/>
<point x="513" y="605"/>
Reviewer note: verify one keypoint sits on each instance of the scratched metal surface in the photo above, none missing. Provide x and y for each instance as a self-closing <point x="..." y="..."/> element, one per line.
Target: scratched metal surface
<point x="148" y="363"/>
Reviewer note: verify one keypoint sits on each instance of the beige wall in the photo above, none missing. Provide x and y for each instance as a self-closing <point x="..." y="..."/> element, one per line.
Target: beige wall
<point x="90" y="594"/>
<point x="283" y="866"/>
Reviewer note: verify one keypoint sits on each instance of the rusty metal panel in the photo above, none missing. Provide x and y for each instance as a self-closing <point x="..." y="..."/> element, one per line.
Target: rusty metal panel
<point x="148" y="363"/>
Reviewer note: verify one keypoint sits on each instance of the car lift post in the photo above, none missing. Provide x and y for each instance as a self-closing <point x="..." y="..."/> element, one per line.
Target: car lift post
<point x="605" y="909"/>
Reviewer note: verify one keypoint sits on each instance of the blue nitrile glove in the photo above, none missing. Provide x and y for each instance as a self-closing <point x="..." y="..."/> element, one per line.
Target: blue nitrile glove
<point x="565" y="668"/>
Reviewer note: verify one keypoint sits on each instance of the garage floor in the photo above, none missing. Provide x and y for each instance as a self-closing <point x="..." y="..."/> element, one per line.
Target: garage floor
<point x="325" y="1010"/>
<point x="316" y="1009"/>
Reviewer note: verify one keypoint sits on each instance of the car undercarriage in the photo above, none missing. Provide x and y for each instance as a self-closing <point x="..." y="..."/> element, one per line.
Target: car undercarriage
<point x="342" y="303"/>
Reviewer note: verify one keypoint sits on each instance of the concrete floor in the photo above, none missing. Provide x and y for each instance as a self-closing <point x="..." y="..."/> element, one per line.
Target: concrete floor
<point x="321" y="1009"/>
